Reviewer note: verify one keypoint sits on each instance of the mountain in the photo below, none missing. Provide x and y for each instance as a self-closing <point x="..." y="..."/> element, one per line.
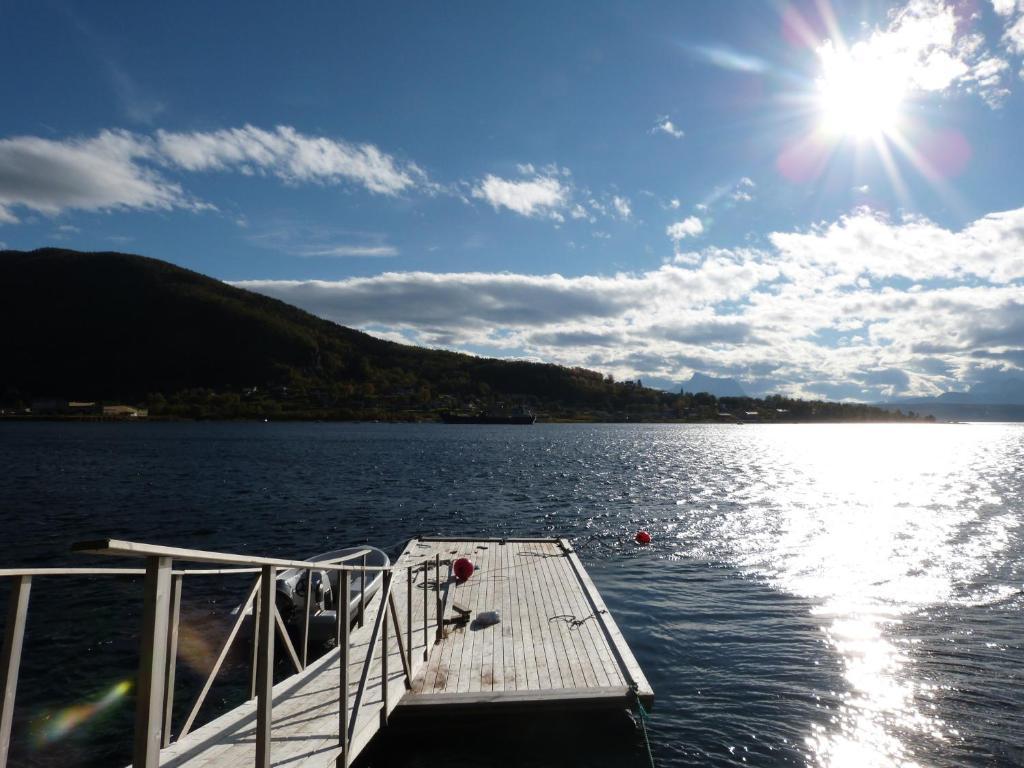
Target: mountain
<point x="118" y="328"/>
<point x="125" y="328"/>
<point x="997" y="400"/>
<point x="700" y="382"/>
<point x="1006" y="391"/>
<point x="1002" y="391"/>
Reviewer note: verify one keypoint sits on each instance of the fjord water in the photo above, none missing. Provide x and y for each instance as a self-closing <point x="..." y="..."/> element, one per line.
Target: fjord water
<point x="836" y="595"/>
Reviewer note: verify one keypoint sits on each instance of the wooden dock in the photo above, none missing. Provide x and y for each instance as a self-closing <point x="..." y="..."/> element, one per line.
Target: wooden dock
<point x="555" y="646"/>
<point x="556" y="643"/>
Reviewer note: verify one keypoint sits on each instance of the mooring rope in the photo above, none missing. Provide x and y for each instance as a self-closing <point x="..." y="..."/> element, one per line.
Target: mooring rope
<point x="644" y="717"/>
<point x="572" y="620"/>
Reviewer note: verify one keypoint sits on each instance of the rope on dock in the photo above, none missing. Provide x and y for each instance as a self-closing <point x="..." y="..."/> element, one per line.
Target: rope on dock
<point x="644" y="717"/>
<point x="573" y="621"/>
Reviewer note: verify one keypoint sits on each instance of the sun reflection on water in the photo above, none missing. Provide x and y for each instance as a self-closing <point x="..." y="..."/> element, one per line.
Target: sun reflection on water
<point x="876" y="523"/>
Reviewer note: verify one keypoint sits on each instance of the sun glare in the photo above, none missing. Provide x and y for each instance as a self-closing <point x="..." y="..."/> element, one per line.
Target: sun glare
<point x="860" y="95"/>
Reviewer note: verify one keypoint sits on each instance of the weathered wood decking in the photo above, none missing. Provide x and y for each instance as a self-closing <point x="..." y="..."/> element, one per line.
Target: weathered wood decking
<point x="556" y="645"/>
<point x="556" y="641"/>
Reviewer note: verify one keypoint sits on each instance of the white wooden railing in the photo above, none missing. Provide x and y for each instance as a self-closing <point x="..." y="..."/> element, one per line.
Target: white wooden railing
<point x="159" y="636"/>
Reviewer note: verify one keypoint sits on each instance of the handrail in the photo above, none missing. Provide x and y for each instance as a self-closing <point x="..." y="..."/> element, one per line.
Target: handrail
<point x="11" y="572"/>
<point x="118" y="547"/>
<point x="162" y="596"/>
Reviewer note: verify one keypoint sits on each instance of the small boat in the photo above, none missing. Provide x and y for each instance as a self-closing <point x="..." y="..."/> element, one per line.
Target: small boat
<point x="291" y="594"/>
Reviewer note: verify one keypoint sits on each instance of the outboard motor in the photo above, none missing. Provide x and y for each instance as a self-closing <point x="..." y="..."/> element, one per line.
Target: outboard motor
<point x="291" y="595"/>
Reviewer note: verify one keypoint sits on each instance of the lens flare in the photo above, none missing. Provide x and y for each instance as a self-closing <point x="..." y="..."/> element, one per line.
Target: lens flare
<point x="195" y="649"/>
<point x="54" y="726"/>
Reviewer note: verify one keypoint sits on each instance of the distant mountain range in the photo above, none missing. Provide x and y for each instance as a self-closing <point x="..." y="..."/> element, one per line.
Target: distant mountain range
<point x="998" y="400"/>
<point x="700" y="382"/>
<point x="1008" y="391"/>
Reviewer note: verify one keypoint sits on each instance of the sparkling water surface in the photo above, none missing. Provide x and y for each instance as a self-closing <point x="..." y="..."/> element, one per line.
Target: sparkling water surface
<point x="835" y="595"/>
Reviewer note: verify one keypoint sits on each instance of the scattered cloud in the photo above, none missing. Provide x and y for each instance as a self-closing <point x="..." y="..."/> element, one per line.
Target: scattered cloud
<point x="622" y="207"/>
<point x="291" y="156"/>
<point x="1013" y="37"/>
<point x="536" y="197"/>
<point x="865" y="307"/>
<point x="927" y="46"/>
<point x="297" y="238"/>
<point x="664" y="125"/>
<point x="121" y="170"/>
<point x="99" y="174"/>
<point x="691" y="226"/>
<point x="579" y="212"/>
<point x="743" y="192"/>
<point x="1004" y="7"/>
<point x="370" y="251"/>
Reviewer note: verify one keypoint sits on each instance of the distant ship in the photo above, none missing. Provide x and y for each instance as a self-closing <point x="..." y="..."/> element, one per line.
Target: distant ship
<point x="519" y="416"/>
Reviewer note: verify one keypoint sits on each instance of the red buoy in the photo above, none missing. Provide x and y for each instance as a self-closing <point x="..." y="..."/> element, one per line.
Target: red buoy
<point x="463" y="568"/>
<point x="642" y="537"/>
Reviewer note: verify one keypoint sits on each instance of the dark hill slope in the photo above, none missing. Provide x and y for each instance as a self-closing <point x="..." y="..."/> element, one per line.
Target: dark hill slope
<point x="119" y="327"/>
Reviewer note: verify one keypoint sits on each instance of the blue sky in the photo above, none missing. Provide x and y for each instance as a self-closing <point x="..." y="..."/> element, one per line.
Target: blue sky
<point x="818" y="200"/>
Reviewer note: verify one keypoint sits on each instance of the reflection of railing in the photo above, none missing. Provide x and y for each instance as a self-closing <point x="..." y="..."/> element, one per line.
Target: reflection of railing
<point x="159" y="638"/>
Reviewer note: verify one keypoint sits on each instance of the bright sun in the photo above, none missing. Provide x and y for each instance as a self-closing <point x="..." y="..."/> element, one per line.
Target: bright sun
<point x="860" y="95"/>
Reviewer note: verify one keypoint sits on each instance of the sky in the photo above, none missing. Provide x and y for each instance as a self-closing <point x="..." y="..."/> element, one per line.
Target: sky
<point x="817" y="199"/>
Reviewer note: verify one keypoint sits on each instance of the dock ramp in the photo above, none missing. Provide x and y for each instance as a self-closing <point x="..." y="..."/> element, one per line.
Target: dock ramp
<point x="418" y="644"/>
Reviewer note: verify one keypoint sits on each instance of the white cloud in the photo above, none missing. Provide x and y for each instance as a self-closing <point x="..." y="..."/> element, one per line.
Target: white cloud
<point x="123" y="170"/>
<point x="98" y="174"/>
<point x="291" y="156"/>
<point x="621" y="205"/>
<point x="664" y="125"/>
<point x="351" y="250"/>
<point x="991" y="248"/>
<point x="1013" y="38"/>
<point x="926" y="47"/>
<point x="541" y="196"/>
<point x="691" y="226"/>
<point x="1004" y="7"/>
<point x="744" y="190"/>
<point x="579" y="212"/>
<point x="826" y="311"/>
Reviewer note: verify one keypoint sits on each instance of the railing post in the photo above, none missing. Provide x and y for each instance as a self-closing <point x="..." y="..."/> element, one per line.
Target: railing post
<point x="362" y="591"/>
<point x="408" y="618"/>
<point x="385" y="593"/>
<point x="344" y="627"/>
<point x="152" y="663"/>
<point x="437" y="594"/>
<point x="254" y="661"/>
<point x="14" y="638"/>
<point x="265" y="667"/>
<point x="309" y="607"/>
<point x="426" y="611"/>
<point x="172" y="657"/>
